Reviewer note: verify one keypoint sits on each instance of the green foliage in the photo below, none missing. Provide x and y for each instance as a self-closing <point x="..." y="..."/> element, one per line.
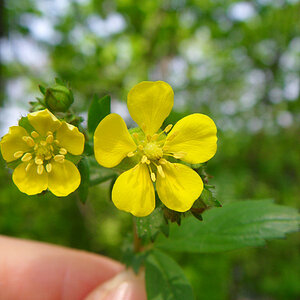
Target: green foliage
<point x="236" y="225"/>
<point x="98" y="110"/>
<point x="149" y="227"/>
<point x="165" y="280"/>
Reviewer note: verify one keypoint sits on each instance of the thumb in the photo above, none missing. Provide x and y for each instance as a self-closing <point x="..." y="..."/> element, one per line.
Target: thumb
<point x="124" y="286"/>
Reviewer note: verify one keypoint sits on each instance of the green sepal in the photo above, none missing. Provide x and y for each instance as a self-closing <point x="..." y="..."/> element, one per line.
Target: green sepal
<point x="42" y="89"/>
<point x="208" y="198"/>
<point x="84" y="169"/>
<point x="24" y="122"/>
<point x="98" y="110"/>
<point x="73" y="158"/>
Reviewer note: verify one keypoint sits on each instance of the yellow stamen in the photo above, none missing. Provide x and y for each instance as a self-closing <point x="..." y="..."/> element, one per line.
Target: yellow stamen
<point x="49" y="132"/>
<point x="40" y="169"/>
<point x="172" y="136"/>
<point x="49" y="167"/>
<point x="48" y="157"/>
<point x="162" y="161"/>
<point x="59" y="158"/>
<point x="28" y="166"/>
<point x="160" y="171"/>
<point x="144" y="159"/>
<point x="148" y="138"/>
<point x="153" y="177"/>
<point x="18" y="154"/>
<point x="26" y="157"/>
<point x="63" y="151"/>
<point x="148" y="162"/>
<point x="24" y="138"/>
<point x="30" y="142"/>
<point x="168" y="128"/>
<point x="51" y="148"/>
<point x="135" y="135"/>
<point x="49" y="139"/>
<point x="38" y="160"/>
<point x="34" y="134"/>
<point x="179" y="155"/>
<point x="56" y="142"/>
<point x="36" y="146"/>
<point x="141" y="147"/>
<point x="43" y="143"/>
<point x="130" y="154"/>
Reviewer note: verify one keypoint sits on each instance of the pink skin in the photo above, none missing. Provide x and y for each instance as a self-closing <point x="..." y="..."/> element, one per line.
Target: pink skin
<point x="33" y="270"/>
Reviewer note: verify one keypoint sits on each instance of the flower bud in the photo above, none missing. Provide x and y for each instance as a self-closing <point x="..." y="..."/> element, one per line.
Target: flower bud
<point x="58" y="98"/>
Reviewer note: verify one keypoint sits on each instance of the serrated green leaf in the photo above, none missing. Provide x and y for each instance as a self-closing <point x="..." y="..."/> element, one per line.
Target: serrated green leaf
<point x="83" y="167"/>
<point x="236" y="225"/>
<point x="165" y="280"/>
<point x="149" y="227"/>
<point x="98" y="110"/>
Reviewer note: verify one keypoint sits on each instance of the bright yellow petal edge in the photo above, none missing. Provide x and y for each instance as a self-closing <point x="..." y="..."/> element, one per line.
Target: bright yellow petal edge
<point x="195" y="136"/>
<point x="112" y="141"/>
<point x="149" y="103"/>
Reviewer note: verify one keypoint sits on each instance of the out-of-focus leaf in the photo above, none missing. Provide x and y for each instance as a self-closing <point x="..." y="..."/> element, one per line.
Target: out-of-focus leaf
<point x="83" y="167"/>
<point x="165" y="280"/>
<point x="98" y="110"/>
<point x="236" y="225"/>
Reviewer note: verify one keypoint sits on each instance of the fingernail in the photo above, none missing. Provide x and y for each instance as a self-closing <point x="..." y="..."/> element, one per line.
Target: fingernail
<point x="125" y="286"/>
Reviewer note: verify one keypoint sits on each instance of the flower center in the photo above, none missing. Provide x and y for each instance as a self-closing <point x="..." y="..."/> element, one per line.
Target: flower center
<point x="153" y="151"/>
<point x="43" y="151"/>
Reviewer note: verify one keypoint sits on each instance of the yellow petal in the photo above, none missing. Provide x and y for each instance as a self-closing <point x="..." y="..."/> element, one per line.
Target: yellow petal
<point x="133" y="191"/>
<point x="149" y="103"/>
<point x="64" y="178"/>
<point x="44" y="121"/>
<point x="180" y="187"/>
<point x="70" y="138"/>
<point x="13" y="142"/>
<point x="194" y="138"/>
<point x="112" y="141"/>
<point x="29" y="182"/>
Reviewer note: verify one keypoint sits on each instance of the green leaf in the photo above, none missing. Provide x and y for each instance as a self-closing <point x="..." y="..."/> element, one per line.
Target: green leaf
<point x="83" y="167"/>
<point x="24" y="122"/>
<point x="149" y="227"/>
<point x="98" y="110"/>
<point x="236" y="225"/>
<point x="165" y="280"/>
<point x="42" y="89"/>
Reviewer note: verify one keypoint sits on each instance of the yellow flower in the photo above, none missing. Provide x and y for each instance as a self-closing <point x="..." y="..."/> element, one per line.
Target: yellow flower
<point x="42" y="154"/>
<point x="193" y="140"/>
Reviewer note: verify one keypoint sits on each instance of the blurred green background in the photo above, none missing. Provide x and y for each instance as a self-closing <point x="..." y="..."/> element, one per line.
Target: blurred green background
<point x="237" y="61"/>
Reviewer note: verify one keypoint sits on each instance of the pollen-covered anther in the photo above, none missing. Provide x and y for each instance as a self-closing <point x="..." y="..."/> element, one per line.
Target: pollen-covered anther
<point x="153" y="177"/>
<point x="63" y="151"/>
<point x="49" y="139"/>
<point x="130" y="154"/>
<point x="51" y="148"/>
<point x="179" y="155"/>
<point x="43" y="143"/>
<point x="49" y="167"/>
<point x="172" y="136"/>
<point x="28" y="139"/>
<point x="28" y="166"/>
<point x="56" y="142"/>
<point x="34" y="134"/>
<point x="141" y="147"/>
<point x="38" y="160"/>
<point x="160" y="171"/>
<point x="162" y="161"/>
<point x="26" y="157"/>
<point x="40" y="169"/>
<point x="168" y="128"/>
<point x="144" y="159"/>
<point x="59" y="158"/>
<point x="135" y="135"/>
<point x="48" y="157"/>
<point x="148" y="162"/>
<point x="18" y="154"/>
